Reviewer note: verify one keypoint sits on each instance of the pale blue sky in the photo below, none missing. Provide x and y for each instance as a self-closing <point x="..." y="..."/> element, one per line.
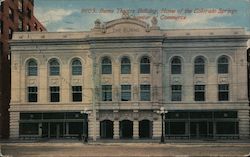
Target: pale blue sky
<point x="79" y="15"/>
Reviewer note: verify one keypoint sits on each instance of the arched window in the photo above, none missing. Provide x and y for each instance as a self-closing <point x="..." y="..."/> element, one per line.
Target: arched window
<point x="32" y="68"/>
<point x="199" y="66"/>
<point x="223" y="65"/>
<point x="76" y="67"/>
<point x="125" y="66"/>
<point x="54" y="67"/>
<point x="106" y="66"/>
<point x="176" y="66"/>
<point x="145" y="65"/>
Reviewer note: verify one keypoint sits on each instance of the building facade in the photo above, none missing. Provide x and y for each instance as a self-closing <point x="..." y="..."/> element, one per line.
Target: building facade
<point x="109" y="82"/>
<point x="15" y="15"/>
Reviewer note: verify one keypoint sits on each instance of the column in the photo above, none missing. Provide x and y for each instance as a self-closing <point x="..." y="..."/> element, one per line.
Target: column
<point x="14" y="125"/>
<point x="157" y="128"/>
<point x="116" y="129"/>
<point x="91" y="125"/>
<point x="243" y="115"/>
<point x="136" y="129"/>
<point x="97" y="129"/>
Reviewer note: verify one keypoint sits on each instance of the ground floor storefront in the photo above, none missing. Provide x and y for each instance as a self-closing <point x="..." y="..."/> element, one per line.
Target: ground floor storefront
<point x="205" y="124"/>
<point x="193" y="124"/>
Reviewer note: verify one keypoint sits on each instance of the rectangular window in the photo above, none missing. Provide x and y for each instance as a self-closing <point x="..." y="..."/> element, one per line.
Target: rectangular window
<point x="224" y="128"/>
<point x="176" y="92"/>
<point x="199" y="93"/>
<point x="223" y="94"/>
<point x="35" y="26"/>
<point x="20" y="24"/>
<point x="20" y="6"/>
<point x="106" y="92"/>
<point x="11" y="14"/>
<point x="10" y="33"/>
<point x="28" y="27"/>
<point x="29" y="12"/>
<point x="1" y="48"/>
<point x="32" y="94"/>
<point x="54" y="94"/>
<point x="28" y="128"/>
<point x="1" y="26"/>
<point x="1" y="6"/>
<point x="125" y="92"/>
<point x="76" y="93"/>
<point x="145" y="93"/>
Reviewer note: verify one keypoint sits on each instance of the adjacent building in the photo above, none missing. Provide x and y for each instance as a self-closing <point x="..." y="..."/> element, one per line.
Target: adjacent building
<point x="15" y="15"/>
<point x="109" y="82"/>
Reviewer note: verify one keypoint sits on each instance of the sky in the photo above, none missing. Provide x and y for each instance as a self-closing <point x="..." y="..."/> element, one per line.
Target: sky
<point x="79" y="15"/>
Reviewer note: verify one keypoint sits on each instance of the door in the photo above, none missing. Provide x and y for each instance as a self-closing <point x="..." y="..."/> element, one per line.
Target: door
<point x="199" y="129"/>
<point x="126" y="129"/>
<point x="145" y="129"/>
<point x="56" y="130"/>
<point x="107" y="129"/>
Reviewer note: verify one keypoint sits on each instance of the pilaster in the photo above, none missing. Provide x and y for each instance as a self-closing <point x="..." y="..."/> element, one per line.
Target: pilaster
<point x="116" y="129"/>
<point x="135" y="129"/>
<point x="14" y="125"/>
<point x="157" y="128"/>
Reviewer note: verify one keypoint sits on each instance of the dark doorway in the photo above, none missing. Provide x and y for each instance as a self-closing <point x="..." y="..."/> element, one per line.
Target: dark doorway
<point x="126" y="129"/>
<point x="200" y="129"/>
<point x="145" y="129"/>
<point x="56" y="130"/>
<point x="106" y="129"/>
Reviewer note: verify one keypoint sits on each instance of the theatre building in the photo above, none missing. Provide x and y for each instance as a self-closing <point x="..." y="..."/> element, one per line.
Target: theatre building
<point x="109" y="82"/>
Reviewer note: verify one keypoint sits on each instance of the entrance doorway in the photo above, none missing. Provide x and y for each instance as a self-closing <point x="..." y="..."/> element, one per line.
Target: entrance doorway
<point x="145" y="129"/>
<point x="201" y="129"/>
<point x="106" y="129"/>
<point x="126" y="129"/>
<point x="56" y="130"/>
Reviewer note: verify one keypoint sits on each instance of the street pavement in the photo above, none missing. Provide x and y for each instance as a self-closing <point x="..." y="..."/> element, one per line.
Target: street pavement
<point x="72" y="148"/>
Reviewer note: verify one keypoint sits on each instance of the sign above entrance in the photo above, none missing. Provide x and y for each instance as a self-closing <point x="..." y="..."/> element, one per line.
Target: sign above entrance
<point x="125" y="26"/>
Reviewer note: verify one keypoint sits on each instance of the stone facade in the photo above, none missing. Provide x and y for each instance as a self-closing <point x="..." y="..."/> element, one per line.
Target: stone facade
<point x="127" y="75"/>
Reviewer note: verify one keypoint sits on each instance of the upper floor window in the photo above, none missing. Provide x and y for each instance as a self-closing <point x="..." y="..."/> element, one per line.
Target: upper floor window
<point x="54" y="67"/>
<point x="35" y="26"/>
<point x="20" y="6"/>
<point x="176" y="93"/>
<point x="28" y="27"/>
<point x="11" y="14"/>
<point x="145" y="65"/>
<point x="32" y="68"/>
<point x="125" y="66"/>
<point x="32" y="94"/>
<point x="199" y="92"/>
<point x="10" y="33"/>
<point x="1" y="26"/>
<point x="176" y="66"/>
<point x="1" y="6"/>
<point x="20" y="24"/>
<point x="106" y="66"/>
<point x="125" y="92"/>
<point x="223" y="65"/>
<point x="145" y="93"/>
<point x="77" y="93"/>
<point x="29" y="12"/>
<point x="55" y="94"/>
<point x="106" y="92"/>
<point x="199" y="66"/>
<point x="223" y="92"/>
<point x="76" y="67"/>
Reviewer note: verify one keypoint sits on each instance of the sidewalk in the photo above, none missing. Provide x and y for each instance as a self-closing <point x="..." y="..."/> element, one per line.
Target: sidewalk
<point x="122" y="141"/>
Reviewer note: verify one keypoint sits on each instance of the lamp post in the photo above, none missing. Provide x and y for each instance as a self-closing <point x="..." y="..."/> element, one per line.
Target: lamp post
<point x="85" y="123"/>
<point x="162" y="112"/>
